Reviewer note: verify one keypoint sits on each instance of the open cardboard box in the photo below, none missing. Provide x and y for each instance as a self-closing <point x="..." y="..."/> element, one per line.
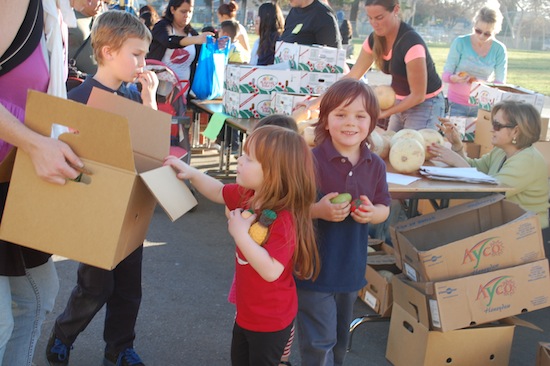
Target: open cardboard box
<point x="478" y="236"/>
<point x="543" y="354"/>
<point x="105" y="217"/>
<point x="482" y="298"/>
<point x="411" y="342"/>
<point x="486" y="95"/>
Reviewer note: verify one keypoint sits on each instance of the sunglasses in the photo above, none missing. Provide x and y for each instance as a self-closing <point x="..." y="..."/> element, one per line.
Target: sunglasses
<point x="480" y="32"/>
<point x="497" y="126"/>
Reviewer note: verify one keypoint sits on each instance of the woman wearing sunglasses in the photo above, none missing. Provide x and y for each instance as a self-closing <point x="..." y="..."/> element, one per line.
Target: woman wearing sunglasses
<point x="514" y="161"/>
<point x="475" y="56"/>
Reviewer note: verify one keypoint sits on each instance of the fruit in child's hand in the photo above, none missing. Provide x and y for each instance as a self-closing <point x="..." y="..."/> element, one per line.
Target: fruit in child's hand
<point x="260" y="229"/>
<point x="341" y="198"/>
<point x="356" y="205"/>
<point x="246" y="214"/>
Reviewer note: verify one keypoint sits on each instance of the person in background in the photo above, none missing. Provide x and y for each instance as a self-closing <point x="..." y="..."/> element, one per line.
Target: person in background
<point x="475" y="56"/>
<point x="149" y="16"/>
<point x="275" y="173"/>
<point x="81" y="54"/>
<point x="399" y="51"/>
<point x="28" y="61"/>
<point x="228" y="11"/>
<point x="175" y="42"/>
<point x="347" y="116"/>
<point x="237" y="54"/>
<point x="347" y="33"/>
<point x="513" y="161"/>
<point x="311" y="22"/>
<point x="120" y="44"/>
<point x="269" y="25"/>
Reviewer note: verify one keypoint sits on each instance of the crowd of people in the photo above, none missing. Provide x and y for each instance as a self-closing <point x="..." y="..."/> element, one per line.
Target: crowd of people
<point x="314" y="278"/>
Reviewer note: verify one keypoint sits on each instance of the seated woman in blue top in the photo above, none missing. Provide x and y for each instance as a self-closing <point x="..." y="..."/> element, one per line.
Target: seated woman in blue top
<point x="475" y="56"/>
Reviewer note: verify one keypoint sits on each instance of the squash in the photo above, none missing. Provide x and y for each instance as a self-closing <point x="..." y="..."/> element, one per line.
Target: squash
<point x="385" y="95"/>
<point x="407" y="155"/>
<point x="407" y="133"/>
<point x="430" y="137"/>
<point x="379" y="144"/>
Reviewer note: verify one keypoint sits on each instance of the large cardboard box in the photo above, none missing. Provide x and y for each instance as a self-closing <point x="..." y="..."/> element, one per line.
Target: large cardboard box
<point x="285" y="103"/>
<point x="543" y="354"/>
<point x="487" y="95"/>
<point x="317" y="82"/>
<point x="475" y="237"/>
<point x="482" y="298"/>
<point x="249" y="79"/>
<point x="246" y="105"/>
<point x="379" y="272"/>
<point x="411" y="341"/>
<point x="484" y="134"/>
<point x="105" y="216"/>
<point x="311" y="58"/>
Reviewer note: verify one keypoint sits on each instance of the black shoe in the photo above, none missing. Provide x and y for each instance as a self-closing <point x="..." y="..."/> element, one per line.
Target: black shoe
<point x="128" y="357"/>
<point x="57" y="353"/>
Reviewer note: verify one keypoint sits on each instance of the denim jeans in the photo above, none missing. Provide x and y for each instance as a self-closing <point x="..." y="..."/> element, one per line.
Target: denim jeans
<point x="323" y="326"/>
<point x="423" y="115"/>
<point x="24" y="303"/>
<point x="462" y="110"/>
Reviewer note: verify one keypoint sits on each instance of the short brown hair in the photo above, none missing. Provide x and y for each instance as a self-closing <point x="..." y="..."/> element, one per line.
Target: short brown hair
<point x="345" y="91"/>
<point x="523" y="115"/>
<point x="113" y="28"/>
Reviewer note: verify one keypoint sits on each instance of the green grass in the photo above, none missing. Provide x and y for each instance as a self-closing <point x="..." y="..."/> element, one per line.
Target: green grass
<point x="528" y="69"/>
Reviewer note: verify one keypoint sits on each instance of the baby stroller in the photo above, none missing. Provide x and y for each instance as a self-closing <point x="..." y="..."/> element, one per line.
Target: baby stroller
<point x="171" y="98"/>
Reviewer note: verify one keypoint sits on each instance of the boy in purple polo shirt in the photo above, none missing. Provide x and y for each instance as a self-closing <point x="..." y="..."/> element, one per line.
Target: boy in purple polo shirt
<point x="348" y="115"/>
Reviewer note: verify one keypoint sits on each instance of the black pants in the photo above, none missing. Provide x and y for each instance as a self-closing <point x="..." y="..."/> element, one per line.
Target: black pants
<point x="119" y="289"/>
<point x="250" y="348"/>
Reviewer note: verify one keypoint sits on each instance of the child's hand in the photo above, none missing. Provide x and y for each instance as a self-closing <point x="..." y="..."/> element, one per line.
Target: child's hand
<point x="149" y="84"/>
<point x="238" y="226"/>
<point x="364" y="212"/>
<point x="329" y="211"/>
<point x="183" y="171"/>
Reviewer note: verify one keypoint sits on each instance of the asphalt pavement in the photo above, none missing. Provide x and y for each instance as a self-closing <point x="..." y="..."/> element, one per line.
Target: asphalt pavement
<point x="185" y="318"/>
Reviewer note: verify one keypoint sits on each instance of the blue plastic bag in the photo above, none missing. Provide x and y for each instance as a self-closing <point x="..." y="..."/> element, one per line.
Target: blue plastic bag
<point x="210" y="73"/>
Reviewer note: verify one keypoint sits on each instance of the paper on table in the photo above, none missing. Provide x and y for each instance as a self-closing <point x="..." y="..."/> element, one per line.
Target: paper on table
<point x="470" y="175"/>
<point x="214" y="126"/>
<point x="400" y="178"/>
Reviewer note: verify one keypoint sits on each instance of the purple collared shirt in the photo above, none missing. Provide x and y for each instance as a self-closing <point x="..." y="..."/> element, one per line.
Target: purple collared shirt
<point x="343" y="245"/>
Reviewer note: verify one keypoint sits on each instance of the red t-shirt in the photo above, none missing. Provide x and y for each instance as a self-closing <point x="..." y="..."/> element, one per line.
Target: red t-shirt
<point x="265" y="306"/>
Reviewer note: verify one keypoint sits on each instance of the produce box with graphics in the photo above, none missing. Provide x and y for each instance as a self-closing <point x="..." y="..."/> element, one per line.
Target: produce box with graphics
<point x="475" y="237"/>
<point x="482" y="298"/>
<point x="261" y="79"/>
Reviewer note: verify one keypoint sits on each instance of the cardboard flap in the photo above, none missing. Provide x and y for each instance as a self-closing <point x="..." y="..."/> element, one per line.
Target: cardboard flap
<point x="410" y="299"/>
<point x="172" y="193"/>
<point x="102" y="137"/>
<point x="149" y="129"/>
<point x="514" y="320"/>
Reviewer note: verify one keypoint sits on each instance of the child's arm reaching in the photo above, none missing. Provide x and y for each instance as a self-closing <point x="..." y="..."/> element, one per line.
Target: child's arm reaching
<point x="209" y="187"/>
<point x="149" y="82"/>
<point x="266" y="266"/>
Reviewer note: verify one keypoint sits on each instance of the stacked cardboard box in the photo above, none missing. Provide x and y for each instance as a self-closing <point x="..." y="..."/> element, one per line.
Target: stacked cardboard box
<point x="463" y="268"/>
<point x="379" y="272"/>
<point x="486" y="96"/>
<point x="248" y="89"/>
